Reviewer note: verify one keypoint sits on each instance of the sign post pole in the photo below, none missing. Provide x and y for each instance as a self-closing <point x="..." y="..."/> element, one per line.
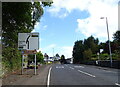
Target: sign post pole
<point x="22" y="62"/>
<point x="27" y="42"/>
<point x="35" y="63"/>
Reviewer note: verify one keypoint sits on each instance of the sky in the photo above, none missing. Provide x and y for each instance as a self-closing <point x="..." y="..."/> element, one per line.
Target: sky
<point x="67" y="21"/>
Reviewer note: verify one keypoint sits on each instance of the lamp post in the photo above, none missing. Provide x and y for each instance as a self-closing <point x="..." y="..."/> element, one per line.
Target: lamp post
<point x="53" y="52"/>
<point x="108" y="39"/>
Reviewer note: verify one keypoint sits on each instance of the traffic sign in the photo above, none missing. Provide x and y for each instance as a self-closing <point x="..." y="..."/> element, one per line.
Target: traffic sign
<point x="30" y="52"/>
<point x="28" y="41"/>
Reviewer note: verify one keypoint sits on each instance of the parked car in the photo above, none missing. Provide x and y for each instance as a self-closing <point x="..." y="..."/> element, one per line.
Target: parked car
<point x="32" y="65"/>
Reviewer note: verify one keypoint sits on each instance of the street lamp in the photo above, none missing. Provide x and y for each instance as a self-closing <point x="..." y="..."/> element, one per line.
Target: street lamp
<point x="108" y="39"/>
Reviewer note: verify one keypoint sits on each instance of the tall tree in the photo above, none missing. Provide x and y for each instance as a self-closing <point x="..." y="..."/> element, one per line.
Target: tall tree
<point x="116" y="41"/>
<point x="116" y="36"/>
<point x="78" y="52"/>
<point x="91" y="43"/>
<point x="57" y="55"/>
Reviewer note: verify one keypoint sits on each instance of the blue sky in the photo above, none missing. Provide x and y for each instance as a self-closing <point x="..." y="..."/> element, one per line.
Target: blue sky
<point x="62" y="24"/>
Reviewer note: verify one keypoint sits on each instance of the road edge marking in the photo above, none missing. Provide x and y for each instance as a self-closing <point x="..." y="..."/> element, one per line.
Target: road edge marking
<point x="48" y="78"/>
<point x="117" y="84"/>
<point x="87" y="73"/>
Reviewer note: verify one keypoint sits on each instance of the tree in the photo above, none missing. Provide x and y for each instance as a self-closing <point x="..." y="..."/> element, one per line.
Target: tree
<point x="116" y="41"/>
<point x="116" y="37"/>
<point x="87" y="54"/>
<point x="91" y="43"/>
<point x="57" y="55"/>
<point x="78" y="52"/>
<point x="81" y="48"/>
<point x="40" y="57"/>
<point x="62" y="60"/>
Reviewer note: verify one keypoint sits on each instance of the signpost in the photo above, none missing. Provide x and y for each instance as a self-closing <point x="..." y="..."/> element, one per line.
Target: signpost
<point x="28" y="43"/>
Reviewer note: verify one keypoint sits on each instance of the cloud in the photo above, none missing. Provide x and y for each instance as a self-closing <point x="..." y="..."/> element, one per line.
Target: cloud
<point x="66" y="51"/>
<point x="53" y="49"/>
<point x="48" y="49"/>
<point x="93" y="25"/>
<point x="96" y="8"/>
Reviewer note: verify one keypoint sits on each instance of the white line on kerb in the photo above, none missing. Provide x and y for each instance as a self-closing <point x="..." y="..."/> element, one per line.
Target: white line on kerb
<point x="86" y="73"/>
<point x="48" y="78"/>
<point x="117" y="84"/>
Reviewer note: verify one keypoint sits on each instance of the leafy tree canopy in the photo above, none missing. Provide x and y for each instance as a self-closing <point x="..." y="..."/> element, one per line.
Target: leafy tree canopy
<point x="19" y="17"/>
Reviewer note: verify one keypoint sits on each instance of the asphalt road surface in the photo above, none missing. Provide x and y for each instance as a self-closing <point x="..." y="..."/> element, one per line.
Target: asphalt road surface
<point x="70" y="74"/>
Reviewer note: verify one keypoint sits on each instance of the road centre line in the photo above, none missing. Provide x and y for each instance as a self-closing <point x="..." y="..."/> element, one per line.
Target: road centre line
<point x="48" y="78"/>
<point x="79" y="66"/>
<point x="117" y="84"/>
<point x="87" y="73"/>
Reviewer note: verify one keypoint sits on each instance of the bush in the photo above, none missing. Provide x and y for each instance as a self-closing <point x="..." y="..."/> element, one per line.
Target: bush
<point x="11" y="59"/>
<point x="104" y="56"/>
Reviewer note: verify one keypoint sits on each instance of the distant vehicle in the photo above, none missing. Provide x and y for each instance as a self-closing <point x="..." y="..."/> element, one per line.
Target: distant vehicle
<point x="32" y="65"/>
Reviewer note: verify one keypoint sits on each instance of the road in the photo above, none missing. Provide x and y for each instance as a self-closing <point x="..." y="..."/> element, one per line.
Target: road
<point x="67" y="75"/>
<point x="70" y="74"/>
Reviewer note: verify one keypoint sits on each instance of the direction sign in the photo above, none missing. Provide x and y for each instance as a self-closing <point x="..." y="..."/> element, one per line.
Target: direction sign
<point x="30" y="52"/>
<point x="28" y="41"/>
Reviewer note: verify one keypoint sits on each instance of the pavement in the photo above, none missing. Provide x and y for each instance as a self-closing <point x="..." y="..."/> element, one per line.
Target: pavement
<point x="28" y="77"/>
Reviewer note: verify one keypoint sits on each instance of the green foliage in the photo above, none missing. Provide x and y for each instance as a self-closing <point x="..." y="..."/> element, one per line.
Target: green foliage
<point x="62" y="60"/>
<point x="87" y="54"/>
<point x="78" y="50"/>
<point x="40" y="57"/>
<point x="49" y="3"/>
<point x="11" y="59"/>
<point x="91" y="43"/>
<point x="62" y="57"/>
<point x="104" y="56"/>
<point x="83" y="50"/>
<point x="57" y="55"/>
<point x="87" y="50"/>
<point x="116" y="36"/>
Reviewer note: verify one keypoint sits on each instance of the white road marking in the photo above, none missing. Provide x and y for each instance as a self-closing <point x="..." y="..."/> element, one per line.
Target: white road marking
<point x="79" y="67"/>
<point x="117" y="84"/>
<point x="72" y="68"/>
<point x="48" y="78"/>
<point x="109" y="71"/>
<point x="86" y="73"/>
<point x="59" y="66"/>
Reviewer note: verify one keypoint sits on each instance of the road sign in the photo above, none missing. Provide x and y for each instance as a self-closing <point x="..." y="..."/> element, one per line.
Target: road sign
<point x="30" y="52"/>
<point x="28" y="41"/>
